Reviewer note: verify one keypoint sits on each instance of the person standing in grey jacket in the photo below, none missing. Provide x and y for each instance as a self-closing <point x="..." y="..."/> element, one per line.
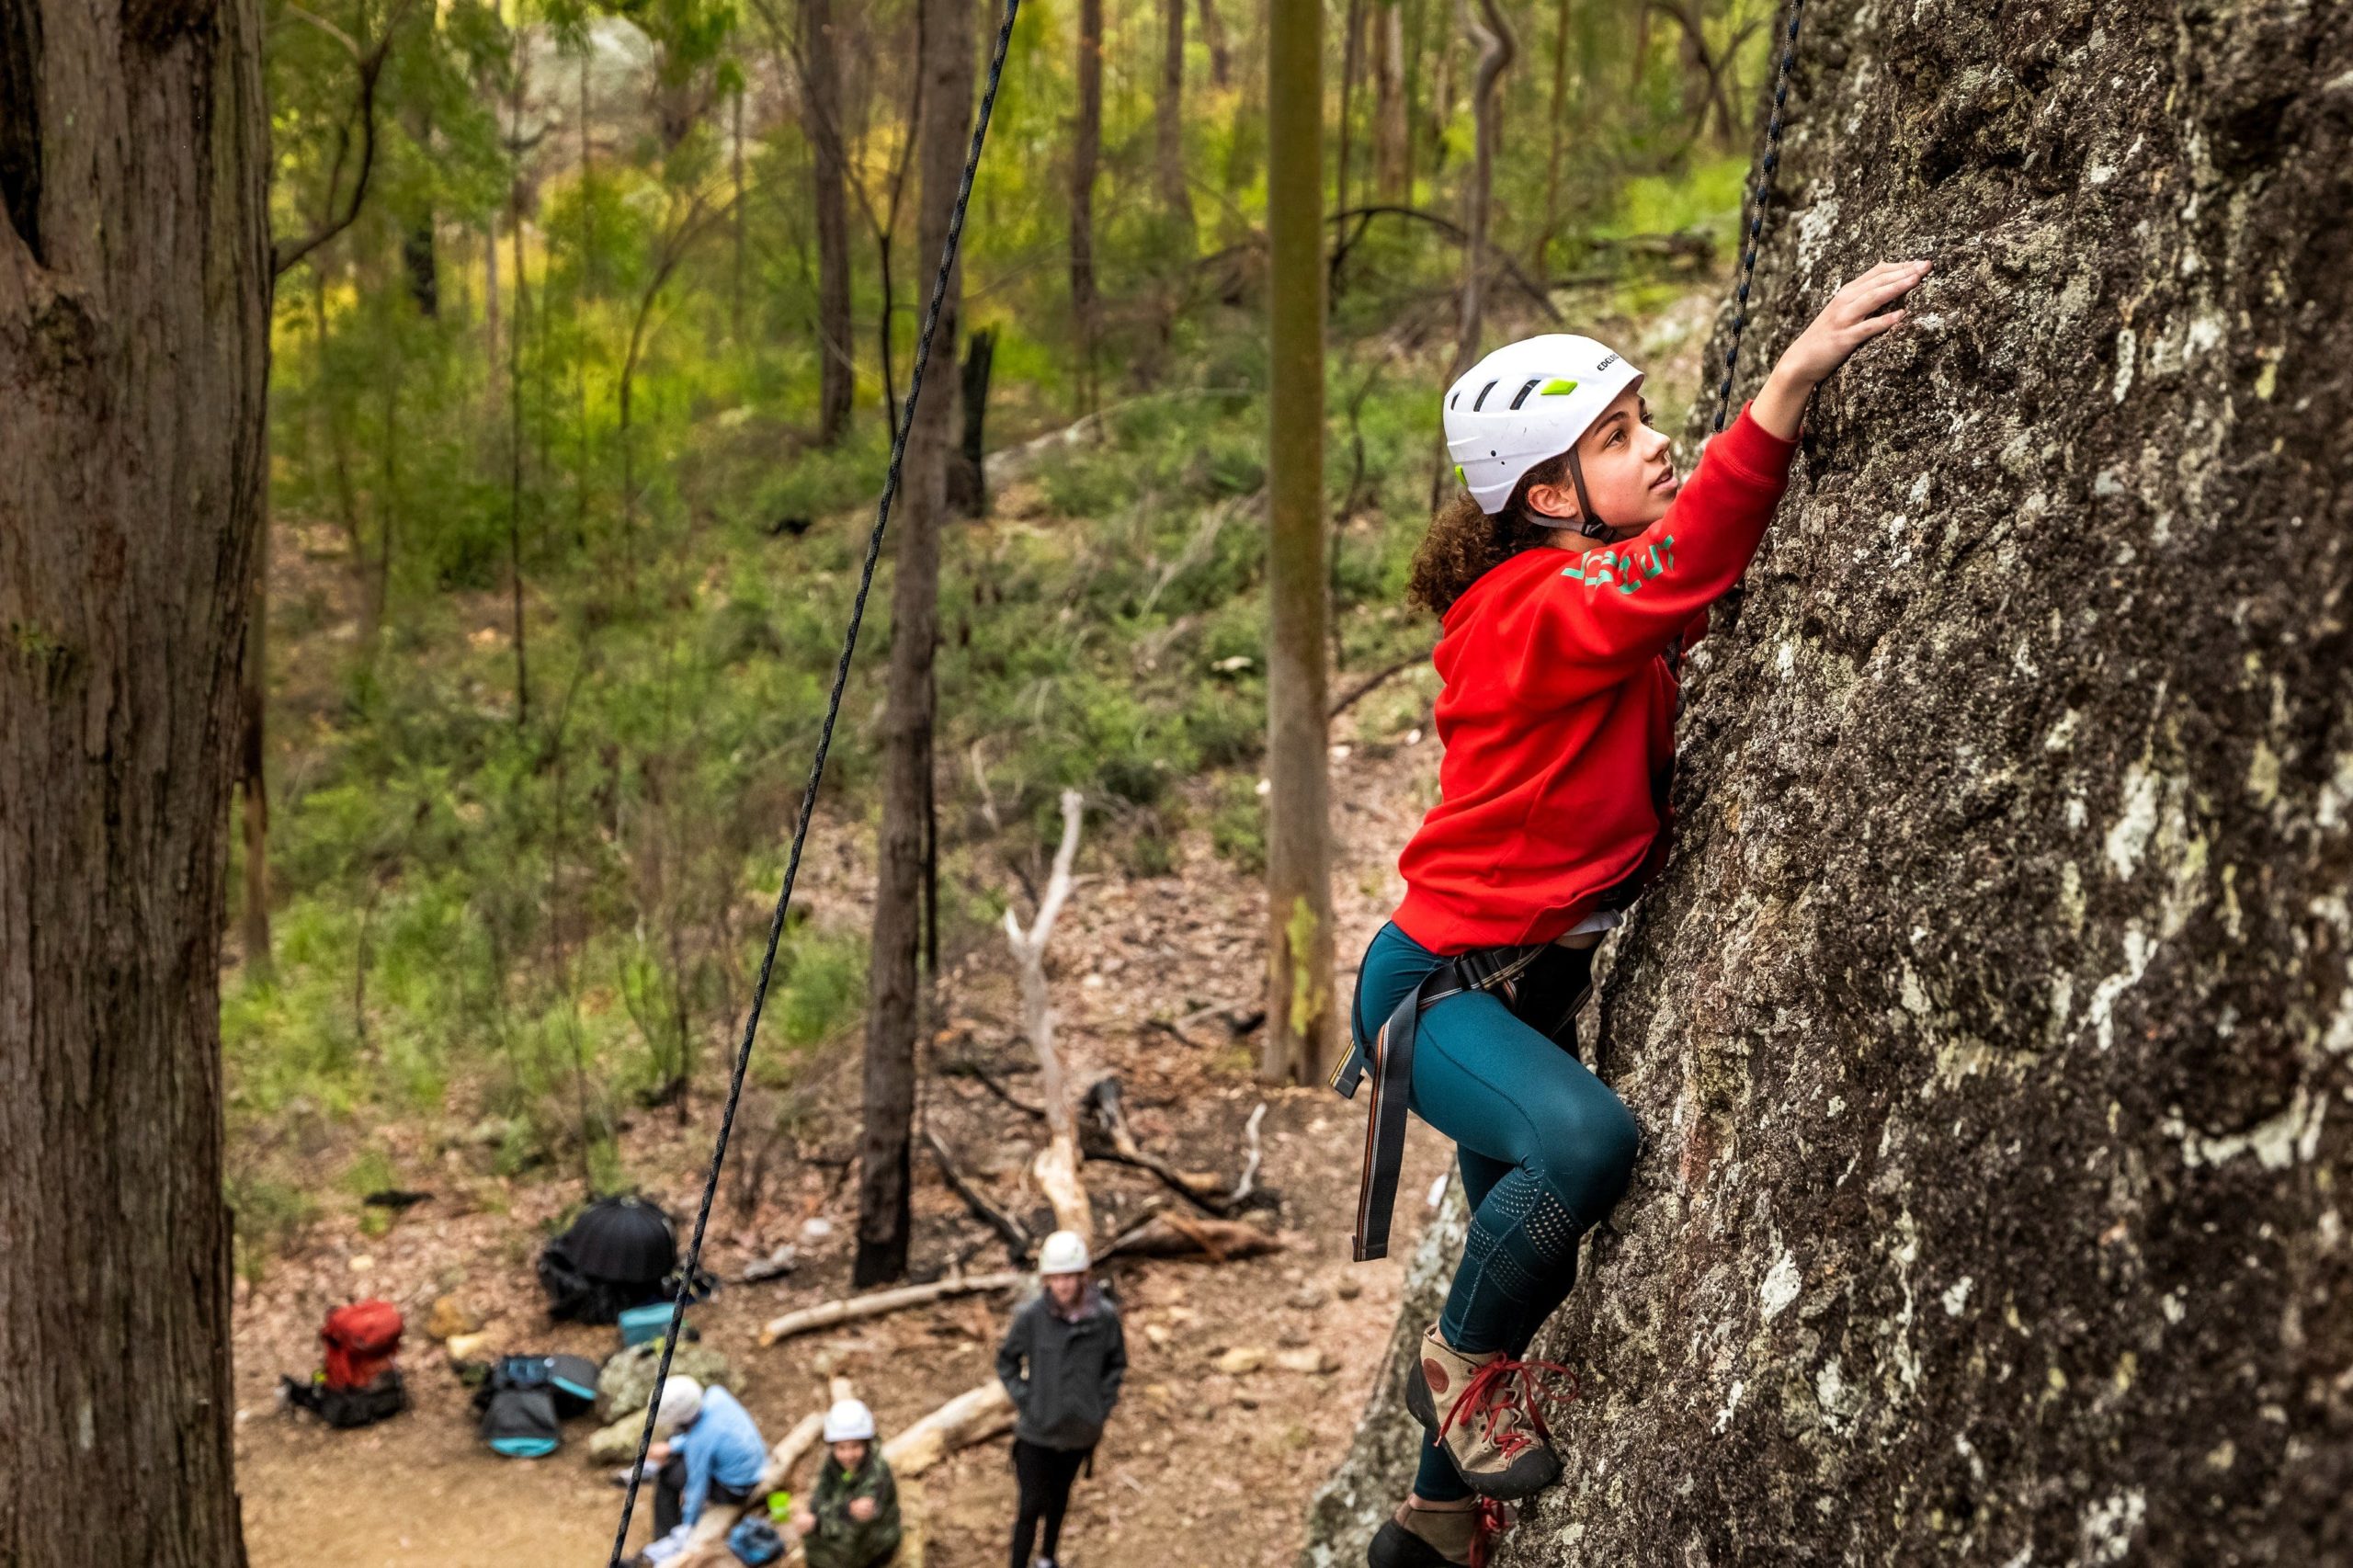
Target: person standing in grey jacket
<point x="1063" y="1361"/>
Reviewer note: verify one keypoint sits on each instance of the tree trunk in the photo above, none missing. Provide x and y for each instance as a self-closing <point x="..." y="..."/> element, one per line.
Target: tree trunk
<point x="735" y="172"/>
<point x="968" y="495"/>
<point x="1213" y="40"/>
<point x="253" y="755"/>
<point x="1992" y="1028"/>
<point x="1495" y="50"/>
<point x="1351" y="66"/>
<point x="1168" y="130"/>
<point x="1390" y="133"/>
<point x="1086" y="143"/>
<point x="892" y="1000"/>
<point x="1559" y="121"/>
<point x="821" y="102"/>
<point x="134" y="349"/>
<point x="1298" y="836"/>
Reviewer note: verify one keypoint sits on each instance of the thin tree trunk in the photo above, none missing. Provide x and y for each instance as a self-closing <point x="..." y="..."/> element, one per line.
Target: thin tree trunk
<point x="1299" y="842"/>
<point x="135" y="270"/>
<point x="1213" y="40"/>
<point x="1087" y="141"/>
<point x="822" y="93"/>
<point x="1541" y="260"/>
<point x="514" y="468"/>
<point x="492" y="337"/>
<point x="1495" y="50"/>
<point x="736" y="277"/>
<point x="1168" y="128"/>
<point x="894" y="997"/>
<point x="253" y="779"/>
<point x="1351" y="66"/>
<point x="1390" y="130"/>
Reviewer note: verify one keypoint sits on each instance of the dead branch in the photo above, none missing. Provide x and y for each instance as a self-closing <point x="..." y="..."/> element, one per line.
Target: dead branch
<point x="284" y="257"/>
<point x="1057" y="1166"/>
<point x="1018" y="1240"/>
<point x="965" y="1067"/>
<point x="852" y="1309"/>
<point x="1103" y="1098"/>
<point x="1248" y="1183"/>
<point x="1373" y="682"/>
<point x="1175" y="1235"/>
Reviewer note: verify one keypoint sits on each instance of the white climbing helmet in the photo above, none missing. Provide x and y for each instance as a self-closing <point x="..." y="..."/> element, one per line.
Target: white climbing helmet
<point x="850" y="1421"/>
<point x="1065" y="1253"/>
<point x="1524" y="403"/>
<point x="681" y="1403"/>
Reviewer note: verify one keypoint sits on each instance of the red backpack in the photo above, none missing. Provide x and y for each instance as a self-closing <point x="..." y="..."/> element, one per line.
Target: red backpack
<point x="361" y="1341"/>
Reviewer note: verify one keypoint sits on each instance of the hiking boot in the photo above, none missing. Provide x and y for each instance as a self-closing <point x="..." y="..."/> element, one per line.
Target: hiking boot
<point x="1482" y="1412"/>
<point x="1416" y="1536"/>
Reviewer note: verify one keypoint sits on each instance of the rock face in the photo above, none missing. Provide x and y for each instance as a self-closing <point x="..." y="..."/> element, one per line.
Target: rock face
<point x="1992" y="1033"/>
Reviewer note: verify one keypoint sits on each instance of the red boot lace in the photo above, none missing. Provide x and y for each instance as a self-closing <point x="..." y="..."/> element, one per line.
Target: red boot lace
<point x="1493" y="1519"/>
<point x="1498" y="1389"/>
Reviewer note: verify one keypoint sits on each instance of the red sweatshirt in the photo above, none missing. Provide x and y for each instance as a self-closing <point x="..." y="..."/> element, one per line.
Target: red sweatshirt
<point x="1558" y="713"/>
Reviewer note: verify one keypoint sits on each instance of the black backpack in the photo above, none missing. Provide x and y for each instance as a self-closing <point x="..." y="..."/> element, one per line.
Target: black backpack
<point x="569" y="1380"/>
<point x="520" y="1423"/>
<point x="378" y="1400"/>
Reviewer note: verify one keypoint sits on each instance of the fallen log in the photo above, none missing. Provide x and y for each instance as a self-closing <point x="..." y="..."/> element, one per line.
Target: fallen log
<point x="973" y="1416"/>
<point x="1178" y="1235"/>
<point x="851" y="1309"/>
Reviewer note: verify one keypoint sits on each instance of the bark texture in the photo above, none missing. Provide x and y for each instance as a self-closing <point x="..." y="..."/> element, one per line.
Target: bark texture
<point x="1299" y="1029"/>
<point x="893" y="999"/>
<point x="134" y="295"/>
<point x="1991" y="1033"/>
<point x="1085" y="153"/>
<point x="828" y="175"/>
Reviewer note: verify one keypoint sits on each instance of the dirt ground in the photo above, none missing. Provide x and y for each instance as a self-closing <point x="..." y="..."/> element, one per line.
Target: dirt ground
<point x="1200" y="1468"/>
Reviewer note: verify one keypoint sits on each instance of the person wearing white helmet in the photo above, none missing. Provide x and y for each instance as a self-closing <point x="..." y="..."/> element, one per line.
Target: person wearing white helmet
<point x="1063" y="1361"/>
<point x="710" y="1448"/>
<point x="851" y="1518"/>
<point x="1567" y="576"/>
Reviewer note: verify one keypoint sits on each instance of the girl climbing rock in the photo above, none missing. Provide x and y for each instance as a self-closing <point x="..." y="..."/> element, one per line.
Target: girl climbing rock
<point x="1567" y="580"/>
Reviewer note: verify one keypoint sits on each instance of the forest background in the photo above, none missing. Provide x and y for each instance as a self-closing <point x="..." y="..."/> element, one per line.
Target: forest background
<point x="583" y="384"/>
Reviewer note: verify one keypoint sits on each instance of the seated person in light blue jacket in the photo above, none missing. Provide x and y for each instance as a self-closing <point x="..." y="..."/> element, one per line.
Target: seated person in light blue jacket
<point x="712" y="1450"/>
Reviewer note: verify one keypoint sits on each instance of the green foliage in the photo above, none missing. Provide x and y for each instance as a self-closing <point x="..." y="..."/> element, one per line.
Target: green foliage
<point x="519" y="895"/>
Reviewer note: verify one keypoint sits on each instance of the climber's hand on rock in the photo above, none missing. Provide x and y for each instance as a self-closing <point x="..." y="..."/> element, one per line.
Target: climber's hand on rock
<point x="1855" y="316"/>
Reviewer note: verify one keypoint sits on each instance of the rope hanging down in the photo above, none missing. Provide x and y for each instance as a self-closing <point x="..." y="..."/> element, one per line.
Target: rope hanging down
<point x="817" y="765"/>
<point x="1763" y="199"/>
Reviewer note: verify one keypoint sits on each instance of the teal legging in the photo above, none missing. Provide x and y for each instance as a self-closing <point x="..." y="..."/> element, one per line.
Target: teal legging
<point x="1546" y="1148"/>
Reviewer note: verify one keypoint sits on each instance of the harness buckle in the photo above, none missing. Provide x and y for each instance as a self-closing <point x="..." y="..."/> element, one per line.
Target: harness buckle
<point x="1349" y="1071"/>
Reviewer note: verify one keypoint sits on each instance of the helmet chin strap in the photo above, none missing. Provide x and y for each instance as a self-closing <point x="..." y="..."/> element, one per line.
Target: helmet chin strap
<point x="1589" y="523"/>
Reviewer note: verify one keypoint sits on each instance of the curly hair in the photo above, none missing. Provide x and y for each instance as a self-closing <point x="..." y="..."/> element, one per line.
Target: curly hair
<point x="1464" y="543"/>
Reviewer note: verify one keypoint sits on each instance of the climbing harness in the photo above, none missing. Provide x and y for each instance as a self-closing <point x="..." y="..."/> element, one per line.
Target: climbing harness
<point x="1389" y="1058"/>
<point x="817" y="763"/>
<point x="1763" y="200"/>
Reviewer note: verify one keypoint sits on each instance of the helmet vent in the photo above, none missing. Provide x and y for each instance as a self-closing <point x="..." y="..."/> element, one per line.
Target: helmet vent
<point x="1480" y="402"/>
<point x="1525" y="391"/>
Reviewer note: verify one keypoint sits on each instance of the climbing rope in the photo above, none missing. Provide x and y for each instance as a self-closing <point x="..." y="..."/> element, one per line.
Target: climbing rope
<point x="686" y="1274"/>
<point x="1762" y="199"/>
